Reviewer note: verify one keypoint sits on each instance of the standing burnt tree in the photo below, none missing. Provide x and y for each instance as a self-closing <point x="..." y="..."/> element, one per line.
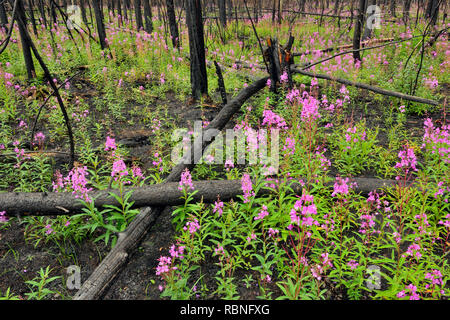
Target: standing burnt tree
<point x="432" y="11"/>
<point x="100" y="25"/>
<point x="148" y="16"/>
<point x="3" y="17"/>
<point x="357" y="31"/>
<point x="26" y="46"/>
<point x="223" y="12"/>
<point x="199" y="79"/>
<point x="138" y="14"/>
<point x="173" y="26"/>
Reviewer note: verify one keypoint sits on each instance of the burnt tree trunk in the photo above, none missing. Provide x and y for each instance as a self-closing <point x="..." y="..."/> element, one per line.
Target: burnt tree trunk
<point x="199" y="79"/>
<point x="26" y="47"/>
<point x="392" y="8"/>
<point x="223" y="12"/>
<point x="432" y="11"/>
<point x="406" y="8"/>
<point x="368" y="28"/>
<point x="173" y="26"/>
<point x="100" y="25"/>
<point x="148" y="16"/>
<point x="31" y="13"/>
<point x="357" y="30"/>
<point x="138" y="14"/>
<point x="3" y="17"/>
<point x="119" y="12"/>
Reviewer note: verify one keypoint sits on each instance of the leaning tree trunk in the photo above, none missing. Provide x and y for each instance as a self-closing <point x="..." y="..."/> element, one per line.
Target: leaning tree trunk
<point x="26" y="47"/>
<point x="148" y="16"/>
<point x="199" y="79"/>
<point x="357" y="30"/>
<point x="173" y="26"/>
<point x="138" y="14"/>
<point x="100" y="25"/>
<point x="223" y="12"/>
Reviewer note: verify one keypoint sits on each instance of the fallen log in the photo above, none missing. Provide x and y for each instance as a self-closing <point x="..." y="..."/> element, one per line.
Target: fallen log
<point x="165" y="194"/>
<point x="366" y="87"/>
<point x="345" y="46"/>
<point x="93" y="287"/>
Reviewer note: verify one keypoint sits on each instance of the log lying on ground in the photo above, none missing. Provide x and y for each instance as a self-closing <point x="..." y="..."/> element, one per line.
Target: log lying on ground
<point x="367" y="87"/>
<point x="345" y="46"/>
<point x="94" y="286"/>
<point x="165" y="194"/>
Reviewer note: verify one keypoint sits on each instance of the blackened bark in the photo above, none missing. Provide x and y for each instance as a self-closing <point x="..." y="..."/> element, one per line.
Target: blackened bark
<point x="119" y="11"/>
<point x="367" y="29"/>
<point x="138" y="14"/>
<point x="148" y="16"/>
<point x="432" y="11"/>
<point x="406" y="8"/>
<point x="173" y="26"/>
<point x="357" y="30"/>
<point x="199" y="79"/>
<point x="223" y="12"/>
<point x="3" y="17"/>
<point x="31" y="13"/>
<point x="26" y="47"/>
<point x="100" y="25"/>
<point x="393" y="6"/>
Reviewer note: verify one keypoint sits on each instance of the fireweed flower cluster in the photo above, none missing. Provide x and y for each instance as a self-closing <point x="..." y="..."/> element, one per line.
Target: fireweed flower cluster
<point x="247" y="187"/>
<point x="218" y="207"/>
<point x="272" y="119"/>
<point x="3" y="216"/>
<point x="407" y="163"/>
<point x="437" y="141"/>
<point x="76" y="181"/>
<point x="303" y="211"/>
<point x="409" y="291"/>
<point x="186" y="181"/>
<point x="166" y="264"/>
<point x="319" y="269"/>
<point x="413" y="251"/>
<point x="192" y="226"/>
<point x="262" y="214"/>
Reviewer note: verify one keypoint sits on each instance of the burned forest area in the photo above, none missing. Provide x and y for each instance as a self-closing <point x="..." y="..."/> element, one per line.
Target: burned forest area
<point x="248" y="150"/>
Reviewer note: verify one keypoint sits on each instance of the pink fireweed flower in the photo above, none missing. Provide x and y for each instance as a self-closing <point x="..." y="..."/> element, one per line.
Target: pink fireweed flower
<point x="49" y="229"/>
<point x="39" y="138"/>
<point x="407" y="162"/>
<point x="289" y="146"/>
<point x="158" y="162"/>
<point x="303" y="211"/>
<point x="352" y="264"/>
<point x="273" y="232"/>
<point x="137" y="172"/>
<point x="251" y="237"/>
<point x="262" y="214"/>
<point x="284" y="77"/>
<point x="3" y="216"/>
<point x="413" y="251"/>
<point x="119" y="169"/>
<point x="110" y="144"/>
<point x="218" y="207"/>
<point x="77" y="180"/>
<point x="219" y="250"/>
<point x="412" y="290"/>
<point x="310" y="109"/>
<point x="272" y="119"/>
<point x="341" y="187"/>
<point x="247" y="187"/>
<point x="186" y="181"/>
<point x="193" y="226"/>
